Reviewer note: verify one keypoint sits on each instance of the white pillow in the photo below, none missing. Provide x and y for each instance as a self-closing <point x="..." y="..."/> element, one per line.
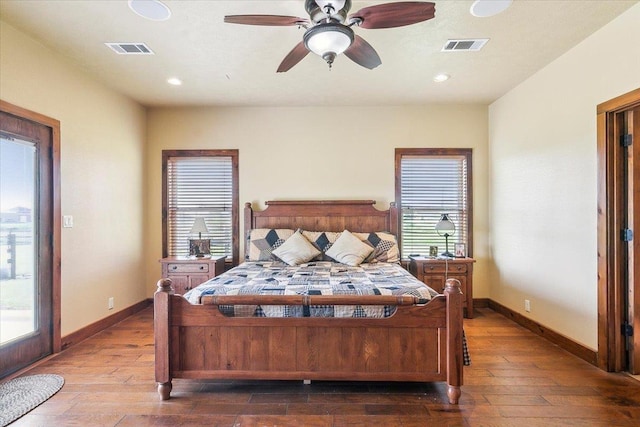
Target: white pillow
<point x="348" y="249"/>
<point x="296" y="250"/>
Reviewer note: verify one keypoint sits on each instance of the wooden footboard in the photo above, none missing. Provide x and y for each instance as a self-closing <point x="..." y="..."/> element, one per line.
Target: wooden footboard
<point x="419" y="342"/>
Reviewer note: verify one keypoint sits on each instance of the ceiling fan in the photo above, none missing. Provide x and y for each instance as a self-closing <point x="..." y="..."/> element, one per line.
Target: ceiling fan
<point x="328" y="29"/>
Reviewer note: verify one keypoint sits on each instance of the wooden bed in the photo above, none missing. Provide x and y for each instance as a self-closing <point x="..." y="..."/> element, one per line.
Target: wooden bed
<point x="419" y="342"/>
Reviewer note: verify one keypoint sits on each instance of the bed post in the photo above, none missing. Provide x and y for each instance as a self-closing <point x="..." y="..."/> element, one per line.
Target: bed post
<point x="161" y="320"/>
<point x="454" y="339"/>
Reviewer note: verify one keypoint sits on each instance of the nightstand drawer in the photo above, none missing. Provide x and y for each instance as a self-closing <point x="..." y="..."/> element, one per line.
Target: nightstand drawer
<point x="441" y="268"/>
<point x="187" y="268"/>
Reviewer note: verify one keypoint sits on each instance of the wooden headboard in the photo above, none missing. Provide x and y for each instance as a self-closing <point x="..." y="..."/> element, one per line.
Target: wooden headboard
<point x="322" y="215"/>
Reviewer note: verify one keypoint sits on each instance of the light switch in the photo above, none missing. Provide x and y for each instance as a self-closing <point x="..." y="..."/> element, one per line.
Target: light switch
<point x="67" y="221"/>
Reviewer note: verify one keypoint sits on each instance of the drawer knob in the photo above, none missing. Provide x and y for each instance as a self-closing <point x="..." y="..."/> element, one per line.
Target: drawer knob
<point x="431" y="267"/>
<point x="174" y="267"/>
<point x="459" y="268"/>
<point x="202" y="267"/>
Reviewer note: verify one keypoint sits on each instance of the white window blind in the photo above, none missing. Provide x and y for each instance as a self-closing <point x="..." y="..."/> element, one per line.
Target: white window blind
<point x="430" y="186"/>
<point x="199" y="187"/>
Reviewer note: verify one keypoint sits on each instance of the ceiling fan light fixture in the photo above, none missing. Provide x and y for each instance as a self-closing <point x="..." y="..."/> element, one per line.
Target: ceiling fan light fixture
<point x="442" y="77"/>
<point x="328" y="40"/>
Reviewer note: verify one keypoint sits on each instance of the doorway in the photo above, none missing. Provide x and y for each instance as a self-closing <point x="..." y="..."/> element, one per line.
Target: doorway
<point x="29" y="238"/>
<point x="618" y="123"/>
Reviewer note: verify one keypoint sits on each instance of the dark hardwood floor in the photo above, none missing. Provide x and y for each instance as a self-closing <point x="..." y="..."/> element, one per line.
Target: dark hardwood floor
<point x="516" y="379"/>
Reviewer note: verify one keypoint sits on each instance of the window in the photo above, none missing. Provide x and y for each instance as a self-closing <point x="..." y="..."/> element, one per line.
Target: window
<point x="200" y="183"/>
<point x="431" y="182"/>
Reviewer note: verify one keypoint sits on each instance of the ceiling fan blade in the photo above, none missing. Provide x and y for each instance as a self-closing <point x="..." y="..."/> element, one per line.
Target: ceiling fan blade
<point x="390" y="15"/>
<point x="296" y="55"/>
<point x="269" y="20"/>
<point x="363" y="54"/>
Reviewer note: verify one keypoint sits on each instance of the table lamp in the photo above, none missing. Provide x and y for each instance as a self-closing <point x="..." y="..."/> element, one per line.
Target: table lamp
<point x="446" y="228"/>
<point x="199" y="227"/>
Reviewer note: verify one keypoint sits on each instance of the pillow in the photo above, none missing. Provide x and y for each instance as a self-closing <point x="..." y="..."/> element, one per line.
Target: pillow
<point x="349" y="249"/>
<point x="262" y="241"/>
<point x="385" y="246"/>
<point x="322" y="240"/>
<point x="296" y="250"/>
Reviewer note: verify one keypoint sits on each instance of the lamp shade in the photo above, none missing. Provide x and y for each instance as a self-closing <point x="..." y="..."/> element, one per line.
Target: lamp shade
<point x="445" y="227"/>
<point x="329" y="38"/>
<point x="199" y="226"/>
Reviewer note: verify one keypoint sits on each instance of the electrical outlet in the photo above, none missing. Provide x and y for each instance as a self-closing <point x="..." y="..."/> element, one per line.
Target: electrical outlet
<point x="527" y="305"/>
<point x="110" y="303"/>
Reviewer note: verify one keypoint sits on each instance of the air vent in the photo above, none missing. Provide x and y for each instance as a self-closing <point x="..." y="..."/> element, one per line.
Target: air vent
<point x="130" y="48"/>
<point x="464" y="45"/>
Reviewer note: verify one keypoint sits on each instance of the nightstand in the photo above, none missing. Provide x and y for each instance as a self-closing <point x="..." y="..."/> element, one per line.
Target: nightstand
<point x="434" y="272"/>
<point x="188" y="272"/>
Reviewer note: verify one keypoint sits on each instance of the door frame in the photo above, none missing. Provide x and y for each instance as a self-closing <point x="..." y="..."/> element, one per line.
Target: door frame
<point x="611" y="298"/>
<point x="56" y="294"/>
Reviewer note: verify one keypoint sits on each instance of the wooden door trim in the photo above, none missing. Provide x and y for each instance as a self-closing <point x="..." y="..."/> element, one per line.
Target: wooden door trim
<point x="609" y="282"/>
<point x="54" y="125"/>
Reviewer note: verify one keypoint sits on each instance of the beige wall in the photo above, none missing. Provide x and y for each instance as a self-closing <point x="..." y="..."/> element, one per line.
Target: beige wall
<point x="102" y="176"/>
<point x="542" y="138"/>
<point x="318" y="153"/>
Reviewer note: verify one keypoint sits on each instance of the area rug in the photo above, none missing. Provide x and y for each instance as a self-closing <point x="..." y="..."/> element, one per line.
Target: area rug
<point x="22" y="394"/>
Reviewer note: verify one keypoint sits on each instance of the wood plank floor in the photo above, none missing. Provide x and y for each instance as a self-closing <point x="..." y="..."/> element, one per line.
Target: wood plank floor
<point x="516" y="379"/>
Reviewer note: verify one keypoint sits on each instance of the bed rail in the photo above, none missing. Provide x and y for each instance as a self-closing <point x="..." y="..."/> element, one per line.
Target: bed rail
<point x="307" y="300"/>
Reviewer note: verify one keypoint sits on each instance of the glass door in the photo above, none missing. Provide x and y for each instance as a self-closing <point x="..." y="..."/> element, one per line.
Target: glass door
<point x="26" y="265"/>
<point x="19" y="283"/>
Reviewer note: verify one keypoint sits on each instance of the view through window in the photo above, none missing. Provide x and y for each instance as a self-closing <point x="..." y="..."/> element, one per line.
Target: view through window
<point x="17" y="236"/>
<point x="430" y="183"/>
<point x="200" y="185"/>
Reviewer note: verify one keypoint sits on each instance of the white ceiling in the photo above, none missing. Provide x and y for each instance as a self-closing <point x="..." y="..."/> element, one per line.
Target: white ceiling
<point x="228" y="64"/>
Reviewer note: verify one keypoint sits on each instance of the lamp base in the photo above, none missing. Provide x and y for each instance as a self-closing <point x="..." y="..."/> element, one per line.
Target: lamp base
<point x="447" y="254"/>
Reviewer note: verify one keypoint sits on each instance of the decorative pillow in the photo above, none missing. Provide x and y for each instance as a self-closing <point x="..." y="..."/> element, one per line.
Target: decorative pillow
<point x="322" y="240"/>
<point x="262" y="241"/>
<point x="385" y="246"/>
<point x="296" y="250"/>
<point x="349" y="249"/>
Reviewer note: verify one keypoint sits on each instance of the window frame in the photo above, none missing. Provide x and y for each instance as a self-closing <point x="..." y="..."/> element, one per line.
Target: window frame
<point x="235" y="218"/>
<point x="436" y="152"/>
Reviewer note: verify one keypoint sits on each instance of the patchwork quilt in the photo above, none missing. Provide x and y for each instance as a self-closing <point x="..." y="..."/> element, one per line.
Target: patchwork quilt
<point x="313" y="278"/>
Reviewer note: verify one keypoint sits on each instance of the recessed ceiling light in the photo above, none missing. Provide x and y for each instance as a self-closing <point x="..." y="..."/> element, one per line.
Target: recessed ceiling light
<point x="486" y="8"/>
<point x="154" y="10"/>
<point x="174" y="81"/>
<point x="442" y="77"/>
